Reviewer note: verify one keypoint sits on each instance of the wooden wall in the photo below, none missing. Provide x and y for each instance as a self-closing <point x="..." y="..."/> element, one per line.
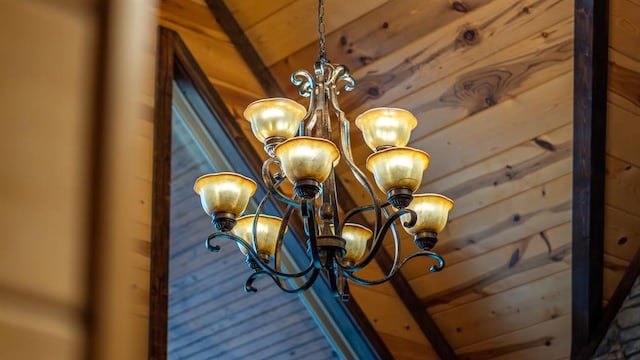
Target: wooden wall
<point x="68" y="71"/>
<point x="44" y="192"/>
<point x="622" y="186"/>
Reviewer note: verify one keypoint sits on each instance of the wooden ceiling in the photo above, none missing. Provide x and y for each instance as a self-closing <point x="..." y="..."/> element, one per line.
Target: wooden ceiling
<point x="491" y="84"/>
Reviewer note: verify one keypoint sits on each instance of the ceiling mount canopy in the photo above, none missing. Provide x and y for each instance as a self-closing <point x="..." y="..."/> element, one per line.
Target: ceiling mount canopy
<point x="304" y="151"/>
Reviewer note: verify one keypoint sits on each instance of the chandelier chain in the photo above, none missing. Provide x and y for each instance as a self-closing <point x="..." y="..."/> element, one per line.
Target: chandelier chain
<point x="321" y="30"/>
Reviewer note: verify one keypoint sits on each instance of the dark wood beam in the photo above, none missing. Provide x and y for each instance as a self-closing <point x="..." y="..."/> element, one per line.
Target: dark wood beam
<point x="230" y="26"/>
<point x="590" y="100"/>
<point x="160" y="194"/>
<point x="411" y="301"/>
<point x="614" y="305"/>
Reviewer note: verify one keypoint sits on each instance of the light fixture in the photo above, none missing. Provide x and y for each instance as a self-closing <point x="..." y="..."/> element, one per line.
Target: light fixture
<point x="301" y="150"/>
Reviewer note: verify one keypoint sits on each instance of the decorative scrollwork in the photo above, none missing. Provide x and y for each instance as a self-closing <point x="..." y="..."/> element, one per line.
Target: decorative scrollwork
<point x="249" y="288"/>
<point x="304" y="81"/>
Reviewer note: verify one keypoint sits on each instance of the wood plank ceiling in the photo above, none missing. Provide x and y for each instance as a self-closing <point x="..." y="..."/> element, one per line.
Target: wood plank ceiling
<point x="491" y="85"/>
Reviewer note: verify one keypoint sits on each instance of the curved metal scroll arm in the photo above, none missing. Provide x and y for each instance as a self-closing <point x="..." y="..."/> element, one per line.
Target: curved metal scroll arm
<point x="309" y="217"/>
<point x="274" y="187"/>
<point x="345" y="149"/>
<point x="248" y="285"/>
<point x="253" y="255"/>
<point x="381" y="235"/>
<point x="434" y="268"/>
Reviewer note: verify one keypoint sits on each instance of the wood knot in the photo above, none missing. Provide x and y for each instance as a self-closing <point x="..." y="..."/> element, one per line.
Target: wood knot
<point x="515" y="257"/>
<point x="459" y="6"/>
<point x="343" y="40"/>
<point x="525" y="10"/>
<point x="622" y="240"/>
<point x="373" y="92"/>
<point x="470" y="36"/>
<point x="385" y="25"/>
<point x="490" y="100"/>
<point x="516" y="217"/>
<point x="365" y="60"/>
<point x="544" y="144"/>
<point x="544" y="34"/>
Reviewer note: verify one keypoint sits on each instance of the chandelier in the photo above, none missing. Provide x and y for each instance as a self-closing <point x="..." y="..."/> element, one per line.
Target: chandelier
<point x="302" y="150"/>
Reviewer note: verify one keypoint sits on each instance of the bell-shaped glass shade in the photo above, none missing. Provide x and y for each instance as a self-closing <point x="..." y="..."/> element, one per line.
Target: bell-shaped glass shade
<point x="276" y="117"/>
<point x="432" y="210"/>
<point x="267" y="232"/>
<point x="306" y="157"/>
<point x="356" y="237"/>
<point x="384" y="127"/>
<point x="224" y="192"/>
<point x="398" y="167"/>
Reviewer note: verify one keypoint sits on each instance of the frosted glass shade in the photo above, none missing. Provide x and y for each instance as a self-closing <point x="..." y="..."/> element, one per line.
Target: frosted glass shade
<point x="356" y="237"/>
<point x="398" y="167"/>
<point x="306" y="157"/>
<point x="432" y="210"/>
<point x="276" y="117"/>
<point x="224" y="192"/>
<point x="268" y="228"/>
<point x="384" y="127"/>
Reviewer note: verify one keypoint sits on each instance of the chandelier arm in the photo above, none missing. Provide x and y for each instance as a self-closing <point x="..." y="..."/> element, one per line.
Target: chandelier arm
<point x="362" y="209"/>
<point x="248" y="285"/>
<point x="254" y="256"/>
<point x="345" y="149"/>
<point x="254" y="225"/>
<point x="283" y="228"/>
<point x="309" y="216"/>
<point x="433" y="268"/>
<point x="394" y="270"/>
<point x="378" y="240"/>
<point x="272" y="187"/>
<point x="396" y="238"/>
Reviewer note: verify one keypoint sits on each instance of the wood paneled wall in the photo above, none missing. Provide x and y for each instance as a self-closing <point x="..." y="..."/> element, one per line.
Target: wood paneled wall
<point x="68" y="72"/>
<point x="46" y="101"/>
<point x="622" y="185"/>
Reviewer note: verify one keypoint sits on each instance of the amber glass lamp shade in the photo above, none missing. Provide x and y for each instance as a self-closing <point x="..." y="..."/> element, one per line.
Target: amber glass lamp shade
<point x="307" y="161"/>
<point x="432" y="213"/>
<point x="356" y="238"/>
<point x="386" y="127"/>
<point x="224" y="192"/>
<point x="398" y="170"/>
<point x="274" y="118"/>
<point x="267" y="228"/>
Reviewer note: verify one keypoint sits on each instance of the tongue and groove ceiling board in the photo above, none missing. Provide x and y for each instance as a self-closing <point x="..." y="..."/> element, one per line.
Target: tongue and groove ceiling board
<point x="491" y="83"/>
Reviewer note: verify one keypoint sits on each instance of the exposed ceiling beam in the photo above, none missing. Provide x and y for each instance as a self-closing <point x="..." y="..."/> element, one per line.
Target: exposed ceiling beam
<point x="590" y="100"/>
<point x="231" y="27"/>
<point x="411" y="301"/>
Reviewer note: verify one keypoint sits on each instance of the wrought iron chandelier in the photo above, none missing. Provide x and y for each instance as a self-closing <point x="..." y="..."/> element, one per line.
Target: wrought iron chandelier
<point x="301" y="150"/>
